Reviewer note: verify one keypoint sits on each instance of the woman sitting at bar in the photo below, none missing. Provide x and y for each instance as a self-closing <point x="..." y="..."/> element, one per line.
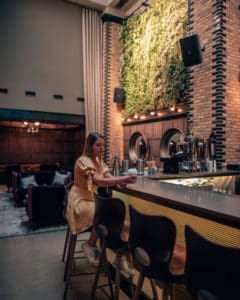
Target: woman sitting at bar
<point x="91" y="172"/>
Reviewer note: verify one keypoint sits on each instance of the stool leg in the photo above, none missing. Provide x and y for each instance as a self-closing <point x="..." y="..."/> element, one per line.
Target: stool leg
<point x="173" y="291"/>
<point x="130" y="260"/>
<point x="93" y="293"/>
<point x="154" y="289"/>
<point x="65" y="244"/>
<point x="69" y="262"/>
<point x="164" y="293"/>
<point x="109" y="277"/>
<point x="70" y="254"/>
<point x="139" y="286"/>
<point x="102" y="262"/>
<point x="117" y="274"/>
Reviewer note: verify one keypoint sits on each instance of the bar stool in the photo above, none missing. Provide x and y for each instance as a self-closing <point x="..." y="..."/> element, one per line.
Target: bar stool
<point x="152" y="243"/>
<point x="108" y="221"/>
<point x="211" y="269"/>
<point x="101" y="191"/>
<point x="70" y="254"/>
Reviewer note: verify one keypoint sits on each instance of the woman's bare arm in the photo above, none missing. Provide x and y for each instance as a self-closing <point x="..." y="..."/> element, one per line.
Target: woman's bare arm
<point x="100" y="181"/>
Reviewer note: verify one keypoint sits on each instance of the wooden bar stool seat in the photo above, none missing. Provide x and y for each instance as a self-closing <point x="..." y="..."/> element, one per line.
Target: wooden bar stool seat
<point x="159" y="258"/>
<point x="212" y="270"/>
<point x="70" y="252"/>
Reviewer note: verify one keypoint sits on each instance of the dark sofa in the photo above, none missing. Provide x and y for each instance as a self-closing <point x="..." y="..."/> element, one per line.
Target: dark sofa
<point x="9" y="169"/>
<point x="41" y="178"/>
<point x="45" y="204"/>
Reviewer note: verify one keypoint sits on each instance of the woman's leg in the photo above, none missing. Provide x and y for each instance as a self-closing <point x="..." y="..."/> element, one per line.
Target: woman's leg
<point x="89" y="248"/>
<point x="125" y="231"/>
<point x="92" y="241"/>
<point x="125" y="268"/>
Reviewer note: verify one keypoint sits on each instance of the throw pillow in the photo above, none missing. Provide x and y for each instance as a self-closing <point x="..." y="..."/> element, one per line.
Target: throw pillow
<point x="25" y="181"/>
<point x="60" y="178"/>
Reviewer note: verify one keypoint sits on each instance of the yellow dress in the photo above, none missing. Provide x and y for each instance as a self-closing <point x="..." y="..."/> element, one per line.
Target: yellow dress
<point x="81" y="206"/>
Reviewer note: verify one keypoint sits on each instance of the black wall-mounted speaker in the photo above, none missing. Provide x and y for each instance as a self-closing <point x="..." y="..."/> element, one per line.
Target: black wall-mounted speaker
<point x="119" y="95"/>
<point x="191" y="50"/>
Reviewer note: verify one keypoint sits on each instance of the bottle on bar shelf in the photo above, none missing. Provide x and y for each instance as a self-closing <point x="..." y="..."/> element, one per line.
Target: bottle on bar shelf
<point x="212" y="146"/>
<point x="212" y="151"/>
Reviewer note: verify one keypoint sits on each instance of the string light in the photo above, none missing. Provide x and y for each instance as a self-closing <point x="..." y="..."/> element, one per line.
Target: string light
<point x="159" y="113"/>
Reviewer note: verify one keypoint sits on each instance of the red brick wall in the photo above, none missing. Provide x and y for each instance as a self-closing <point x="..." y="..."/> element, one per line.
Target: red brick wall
<point x="214" y="89"/>
<point x="112" y="127"/>
<point x="232" y="81"/>
<point x="200" y="110"/>
<point x="213" y="86"/>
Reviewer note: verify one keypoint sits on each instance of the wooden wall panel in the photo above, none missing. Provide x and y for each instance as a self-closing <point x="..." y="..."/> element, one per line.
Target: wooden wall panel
<point x="153" y="131"/>
<point x="47" y="146"/>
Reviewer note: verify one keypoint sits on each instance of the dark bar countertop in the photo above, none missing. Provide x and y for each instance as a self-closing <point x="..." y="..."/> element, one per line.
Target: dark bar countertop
<point x="215" y="206"/>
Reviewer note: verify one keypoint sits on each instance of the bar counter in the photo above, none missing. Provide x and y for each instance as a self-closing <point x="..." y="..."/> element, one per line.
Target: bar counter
<point x="213" y="214"/>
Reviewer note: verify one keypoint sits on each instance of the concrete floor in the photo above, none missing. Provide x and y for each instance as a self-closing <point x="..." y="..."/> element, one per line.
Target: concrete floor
<point x="31" y="269"/>
<point x="31" y="266"/>
<point x="30" y="260"/>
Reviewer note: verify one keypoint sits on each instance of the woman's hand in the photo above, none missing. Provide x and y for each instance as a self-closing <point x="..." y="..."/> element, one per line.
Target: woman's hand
<point x="133" y="177"/>
<point x="130" y="178"/>
<point x="113" y="181"/>
<point x="121" y="185"/>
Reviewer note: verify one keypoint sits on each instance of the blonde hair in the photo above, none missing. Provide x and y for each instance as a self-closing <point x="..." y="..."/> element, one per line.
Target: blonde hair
<point x="91" y="138"/>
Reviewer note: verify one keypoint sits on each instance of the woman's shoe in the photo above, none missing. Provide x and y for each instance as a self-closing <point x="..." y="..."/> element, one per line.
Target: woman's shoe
<point x="91" y="254"/>
<point x="125" y="268"/>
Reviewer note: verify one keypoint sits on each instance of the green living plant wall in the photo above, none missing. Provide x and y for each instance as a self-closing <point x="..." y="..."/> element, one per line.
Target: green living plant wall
<point x="152" y="72"/>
